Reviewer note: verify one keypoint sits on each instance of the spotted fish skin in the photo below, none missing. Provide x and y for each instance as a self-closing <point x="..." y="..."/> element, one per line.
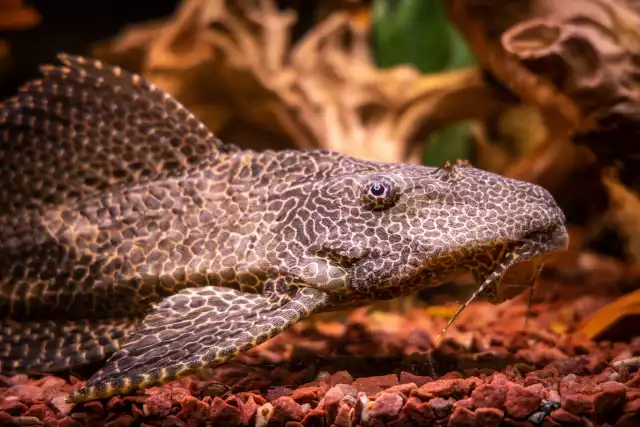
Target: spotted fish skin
<point x="130" y="234"/>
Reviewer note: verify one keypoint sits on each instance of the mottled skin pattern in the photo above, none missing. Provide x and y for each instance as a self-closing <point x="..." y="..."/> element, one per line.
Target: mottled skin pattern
<point x="129" y="232"/>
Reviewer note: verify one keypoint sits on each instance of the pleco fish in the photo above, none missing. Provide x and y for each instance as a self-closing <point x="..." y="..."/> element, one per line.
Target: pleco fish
<point x="130" y="234"/>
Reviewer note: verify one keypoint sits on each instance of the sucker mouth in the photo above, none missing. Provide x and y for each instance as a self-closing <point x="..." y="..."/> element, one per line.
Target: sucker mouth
<point x="538" y="244"/>
<point x="560" y="238"/>
<point x="545" y="242"/>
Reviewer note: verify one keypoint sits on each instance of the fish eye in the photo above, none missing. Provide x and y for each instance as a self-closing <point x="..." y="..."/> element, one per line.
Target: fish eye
<point x="379" y="194"/>
<point x="377" y="189"/>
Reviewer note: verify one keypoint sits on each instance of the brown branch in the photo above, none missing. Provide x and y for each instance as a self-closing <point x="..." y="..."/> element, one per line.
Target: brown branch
<point x="320" y="92"/>
<point x="577" y="61"/>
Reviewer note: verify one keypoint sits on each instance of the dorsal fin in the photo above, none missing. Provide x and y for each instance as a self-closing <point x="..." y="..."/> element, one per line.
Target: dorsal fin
<point x="86" y="126"/>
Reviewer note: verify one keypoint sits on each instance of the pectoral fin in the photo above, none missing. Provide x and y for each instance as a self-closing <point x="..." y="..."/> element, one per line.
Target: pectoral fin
<point x="195" y="329"/>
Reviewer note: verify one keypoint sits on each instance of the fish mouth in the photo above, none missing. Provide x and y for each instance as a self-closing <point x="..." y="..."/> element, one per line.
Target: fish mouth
<point x="558" y="238"/>
<point x="522" y="274"/>
<point x="542" y="243"/>
<point x="530" y="251"/>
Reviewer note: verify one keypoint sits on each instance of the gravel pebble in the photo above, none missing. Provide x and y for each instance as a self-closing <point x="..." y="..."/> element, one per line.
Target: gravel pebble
<point x="533" y="378"/>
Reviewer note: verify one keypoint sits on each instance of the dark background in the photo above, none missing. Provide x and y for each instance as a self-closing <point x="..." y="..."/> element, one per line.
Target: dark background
<point x="73" y="26"/>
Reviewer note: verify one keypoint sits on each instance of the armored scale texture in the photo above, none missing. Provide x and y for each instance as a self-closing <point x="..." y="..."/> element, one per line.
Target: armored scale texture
<point x="130" y="234"/>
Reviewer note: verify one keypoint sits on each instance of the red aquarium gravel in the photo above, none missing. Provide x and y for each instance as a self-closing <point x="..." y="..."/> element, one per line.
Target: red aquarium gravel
<point x="375" y="368"/>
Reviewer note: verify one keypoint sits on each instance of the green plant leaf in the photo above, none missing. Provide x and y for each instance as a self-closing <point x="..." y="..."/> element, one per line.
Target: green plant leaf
<point x="418" y="32"/>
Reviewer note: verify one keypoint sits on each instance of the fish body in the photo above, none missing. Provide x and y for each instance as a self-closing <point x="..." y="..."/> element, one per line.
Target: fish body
<point x="130" y="234"/>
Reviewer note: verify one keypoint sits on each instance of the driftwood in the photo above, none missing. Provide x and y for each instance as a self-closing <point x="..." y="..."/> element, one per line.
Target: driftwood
<point x="577" y="61"/>
<point x="234" y="64"/>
